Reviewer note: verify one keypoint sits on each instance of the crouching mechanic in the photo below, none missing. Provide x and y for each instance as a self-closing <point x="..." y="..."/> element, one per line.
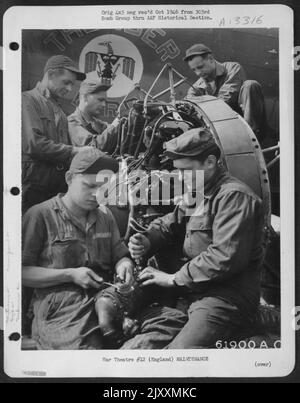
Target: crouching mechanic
<point x="222" y="244"/>
<point x="70" y="246"/>
<point x="227" y="81"/>
<point x="85" y="125"/>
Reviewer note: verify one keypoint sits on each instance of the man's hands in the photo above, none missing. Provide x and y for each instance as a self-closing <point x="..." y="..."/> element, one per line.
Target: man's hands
<point x="85" y="278"/>
<point x="138" y="246"/>
<point x="124" y="270"/>
<point x="153" y="276"/>
<point x="196" y="91"/>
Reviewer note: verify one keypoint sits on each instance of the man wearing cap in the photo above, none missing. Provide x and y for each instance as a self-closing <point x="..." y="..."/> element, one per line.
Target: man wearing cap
<point x="46" y="146"/>
<point x="227" y="81"/>
<point x="69" y="247"/>
<point x="85" y="125"/>
<point x="221" y="243"/>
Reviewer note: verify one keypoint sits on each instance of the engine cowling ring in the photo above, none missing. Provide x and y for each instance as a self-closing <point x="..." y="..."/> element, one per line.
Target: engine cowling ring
<point x="240" y="151"/>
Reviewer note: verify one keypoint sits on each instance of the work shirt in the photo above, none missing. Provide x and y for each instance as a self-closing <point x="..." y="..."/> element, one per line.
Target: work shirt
<point x="229" y="77"/>
<point x="222" y="245"/>
<point x="54" y="238"/>
<point x="84" y="131"/>
<point x="46" y="145"/>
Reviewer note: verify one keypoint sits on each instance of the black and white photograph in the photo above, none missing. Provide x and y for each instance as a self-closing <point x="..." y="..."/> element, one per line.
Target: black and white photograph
<point x="153" y="147"/>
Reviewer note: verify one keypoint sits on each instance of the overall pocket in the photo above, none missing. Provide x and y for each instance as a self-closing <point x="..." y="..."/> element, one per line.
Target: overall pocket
<point x="198" y="235"/>
<point x="68" y="253"/>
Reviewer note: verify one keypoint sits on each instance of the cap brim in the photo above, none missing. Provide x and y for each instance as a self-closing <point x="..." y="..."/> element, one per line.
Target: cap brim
<point x="172" y="155"/>
<point x="196" y="152"/>
<point x="104" y="162"/>
<point x="101" y="87"/>
<point x="85" y="89"/>
<point x="186" y="58"/>
<point x="79" y="74"/>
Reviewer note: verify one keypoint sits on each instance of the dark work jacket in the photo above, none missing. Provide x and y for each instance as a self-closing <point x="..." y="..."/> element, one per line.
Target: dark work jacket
<point x="229" y="79"/>
<point x="83" y="132"/>
<point x="222" y="243"/>
<point x="46" y="146"/>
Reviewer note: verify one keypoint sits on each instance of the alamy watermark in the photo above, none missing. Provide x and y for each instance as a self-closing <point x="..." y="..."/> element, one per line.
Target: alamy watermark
<point x="296" y="318"/>
<point x="153" y="188"/>
<point x="297" y="58"/>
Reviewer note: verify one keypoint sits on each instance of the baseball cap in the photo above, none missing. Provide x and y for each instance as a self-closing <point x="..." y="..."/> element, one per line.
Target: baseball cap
<point x="196" y="50"/>
<point x="192" y="143"/>
<point x="90" y="86"/>
<point x="92" y="162"/>
<point x="64" y="62"/>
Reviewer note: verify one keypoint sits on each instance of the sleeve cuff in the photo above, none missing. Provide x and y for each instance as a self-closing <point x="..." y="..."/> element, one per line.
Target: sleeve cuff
<point x="29" y="259"/>
<point x="182" y="277"/>
<point x="155" y="242"/>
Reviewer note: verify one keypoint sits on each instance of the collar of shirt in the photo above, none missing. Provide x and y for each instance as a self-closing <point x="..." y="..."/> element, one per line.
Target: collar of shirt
<point x="213" y="184"/>
<point x="220" y="69"/>
<point x="57" y="109"/>
<point x="188" y="198"/>
<point x="219" y="72"/>
<point x="67" y="214"/>
<point x="43" y="90"/>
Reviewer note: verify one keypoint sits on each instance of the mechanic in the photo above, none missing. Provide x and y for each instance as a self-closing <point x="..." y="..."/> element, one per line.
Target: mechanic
<point x="221" y="242"/>
<point x="46" y="147"/>
<point x="69" y="247"/>
<point x="85" y="125"/>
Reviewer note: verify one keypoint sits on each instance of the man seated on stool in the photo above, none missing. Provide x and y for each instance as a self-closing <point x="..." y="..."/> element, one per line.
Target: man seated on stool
<point x="85" y="125"/>
<point x="69" y="246"/>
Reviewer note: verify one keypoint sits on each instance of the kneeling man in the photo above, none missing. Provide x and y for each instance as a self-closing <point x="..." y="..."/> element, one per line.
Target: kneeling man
<point x="228" y="82"/>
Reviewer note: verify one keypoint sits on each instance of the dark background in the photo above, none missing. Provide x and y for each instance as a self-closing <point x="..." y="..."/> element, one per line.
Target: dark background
<point x="256" y="49"/>
<point x="294" y="377"/>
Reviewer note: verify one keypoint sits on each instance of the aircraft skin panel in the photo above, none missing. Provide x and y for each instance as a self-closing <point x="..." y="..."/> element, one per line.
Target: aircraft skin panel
<point x="218" y="110"/>
<point x="244" y="167"/>
<point x="258" y="55"/>
<point x="231" y="133"/>
<point x="257" y="50"/>
<point x="241" y="153"/>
